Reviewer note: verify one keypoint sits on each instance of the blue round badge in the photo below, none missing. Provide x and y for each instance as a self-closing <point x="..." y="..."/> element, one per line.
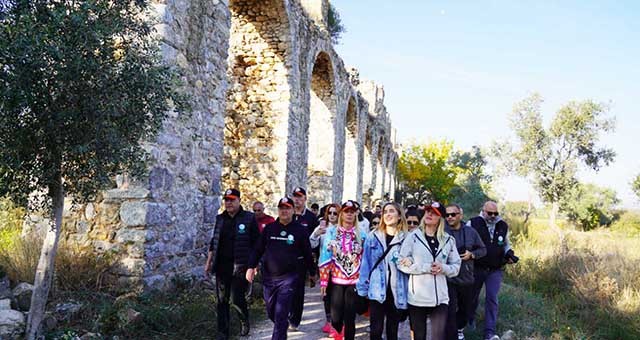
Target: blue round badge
<point x="241" y="229"/>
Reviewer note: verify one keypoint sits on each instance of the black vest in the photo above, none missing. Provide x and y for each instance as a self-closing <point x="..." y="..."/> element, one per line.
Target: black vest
<point x="495" y="246"/>
<point x="242" y="245"/>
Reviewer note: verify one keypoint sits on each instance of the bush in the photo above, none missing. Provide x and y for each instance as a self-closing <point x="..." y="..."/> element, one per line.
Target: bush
<point x="77" y="267"/>
<point x="628" y="223"/>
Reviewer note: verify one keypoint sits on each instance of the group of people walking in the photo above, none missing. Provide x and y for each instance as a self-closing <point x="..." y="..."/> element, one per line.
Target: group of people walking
<point x="418" y="263"/>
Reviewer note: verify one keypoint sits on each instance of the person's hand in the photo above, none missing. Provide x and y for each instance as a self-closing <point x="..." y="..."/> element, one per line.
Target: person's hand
<point x="322" y="228"/>
<point x="251" y="273"/>
<point x="436" y="268"/>
<point x="466" y="256"/>
<point x="323" y="291"/>
<point x="406" y="262"/>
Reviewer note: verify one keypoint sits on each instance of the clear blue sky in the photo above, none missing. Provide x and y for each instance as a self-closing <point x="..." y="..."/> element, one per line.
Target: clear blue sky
<point x="454" y="69"/>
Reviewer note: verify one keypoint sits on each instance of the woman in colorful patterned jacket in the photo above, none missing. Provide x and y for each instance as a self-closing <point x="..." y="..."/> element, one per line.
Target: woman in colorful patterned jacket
<point x="340" y="258"/>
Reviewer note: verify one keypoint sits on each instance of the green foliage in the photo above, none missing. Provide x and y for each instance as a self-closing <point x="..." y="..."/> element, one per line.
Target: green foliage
<point x="80" y="86"/>
<point x="426" y="171"/>
<point x="635" y="185"/>
<point x="334" y="23"/>
<point x="590" y="206"/>
<point x="472" y="183"/>
<point x="628" y="224"/>
<point x="19" y="255"/>
<point x="518" y="214"/>
<point x="551" y="157"/>
<point x="187" y="313"/>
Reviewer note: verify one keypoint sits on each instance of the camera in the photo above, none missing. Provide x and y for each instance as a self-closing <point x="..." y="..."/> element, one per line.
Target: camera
<point x="462" y="250"/>
<point x="510" y="255"/>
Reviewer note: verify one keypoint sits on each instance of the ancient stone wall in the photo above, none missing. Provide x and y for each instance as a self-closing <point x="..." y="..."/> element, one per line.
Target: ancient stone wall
<point x="273" y="108"/>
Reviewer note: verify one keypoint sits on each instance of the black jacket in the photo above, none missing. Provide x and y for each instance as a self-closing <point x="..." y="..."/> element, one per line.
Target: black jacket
<point x="495" y="245"/>
<point x="246" y="235"/>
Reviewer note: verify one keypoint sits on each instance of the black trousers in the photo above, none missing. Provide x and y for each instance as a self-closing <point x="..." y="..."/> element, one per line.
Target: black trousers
<point x="460" y="308"/>
<point x="326" y="299"/>
<point x="230" y="289"/>
<point x="343" y="309"/>
<point x="418" y="319"/>
<point x="297" y="305"/>
<point x="377" y="314"/>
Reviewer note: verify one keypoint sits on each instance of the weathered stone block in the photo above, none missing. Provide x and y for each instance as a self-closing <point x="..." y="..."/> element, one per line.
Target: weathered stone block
<point x="5" y="288"/>
<point x="5" y="304"/>
<point x="133" y="214"/>
<point x="132" y="193"/>
<point x="131" y="236"/>
<point x="12" y="324"/>
<point x="211" y="206"/>
<point x="22" y="293"/>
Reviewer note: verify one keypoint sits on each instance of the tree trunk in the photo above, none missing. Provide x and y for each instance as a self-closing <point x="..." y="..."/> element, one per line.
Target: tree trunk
<point x="44" y="272"/>
<point x="555" y="207"/>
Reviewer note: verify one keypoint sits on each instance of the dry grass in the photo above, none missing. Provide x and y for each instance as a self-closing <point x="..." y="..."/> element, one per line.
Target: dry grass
<point x="595" y="281"/>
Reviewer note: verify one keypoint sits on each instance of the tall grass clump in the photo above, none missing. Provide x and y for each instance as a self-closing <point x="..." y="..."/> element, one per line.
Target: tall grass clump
<point x="593" y="281"/>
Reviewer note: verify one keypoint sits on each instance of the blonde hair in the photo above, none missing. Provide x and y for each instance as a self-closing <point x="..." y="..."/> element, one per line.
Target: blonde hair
<point x="440" y="234"/>
<point x="402" y="223"/>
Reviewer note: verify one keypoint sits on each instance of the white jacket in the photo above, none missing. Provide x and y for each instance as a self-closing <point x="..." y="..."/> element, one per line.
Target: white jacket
<point x="425" y="289"/>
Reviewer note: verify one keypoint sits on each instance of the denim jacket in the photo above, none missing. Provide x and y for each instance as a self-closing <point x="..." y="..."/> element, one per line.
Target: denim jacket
<point x="376" y="287"/>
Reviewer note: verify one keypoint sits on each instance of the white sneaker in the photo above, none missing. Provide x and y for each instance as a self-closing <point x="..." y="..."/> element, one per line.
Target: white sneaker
<point x="495" y="337"/>
<point x="461" y="334"/>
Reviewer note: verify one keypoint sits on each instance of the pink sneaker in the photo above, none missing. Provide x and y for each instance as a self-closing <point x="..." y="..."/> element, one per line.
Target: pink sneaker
<point x="335" y="335"/>
<point x="327" y="327"/>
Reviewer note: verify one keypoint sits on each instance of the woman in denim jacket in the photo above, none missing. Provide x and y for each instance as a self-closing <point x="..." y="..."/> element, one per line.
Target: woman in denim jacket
<point x="384" y="285"/>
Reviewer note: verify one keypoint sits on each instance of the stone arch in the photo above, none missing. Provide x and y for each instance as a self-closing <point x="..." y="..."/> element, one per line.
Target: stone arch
<point x="322" y="130"/>
<point x="258" y="82"/>
<point x="351" y="174"/>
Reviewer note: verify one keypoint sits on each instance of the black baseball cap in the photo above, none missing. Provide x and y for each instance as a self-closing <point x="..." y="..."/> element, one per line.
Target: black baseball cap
<point x="231" y="194"/>
<point x="285" y="202"/>
<point x="299" y="191"/>
<point x="437" y="208"/>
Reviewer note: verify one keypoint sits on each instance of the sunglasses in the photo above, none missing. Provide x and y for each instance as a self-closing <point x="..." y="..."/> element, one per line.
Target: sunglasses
<point x="413" y="223"/>
<point x="375" y="223"/>
<point x="451" y="214"/>
<point x="492" y="213"/>
<point x="333" y="213"/>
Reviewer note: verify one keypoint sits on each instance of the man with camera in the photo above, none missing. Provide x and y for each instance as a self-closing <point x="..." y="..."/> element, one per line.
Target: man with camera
<point x="470" y="247"/>
<point x="494" y="232"/>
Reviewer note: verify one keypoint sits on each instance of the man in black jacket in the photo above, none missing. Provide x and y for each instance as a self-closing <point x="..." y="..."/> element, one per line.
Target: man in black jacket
<point x="280" y="246"/>
<point x="234" y="236"/>
<point x="488" y="270"/>
<point x="309" y="221"/>
<point x="470" y="247"/>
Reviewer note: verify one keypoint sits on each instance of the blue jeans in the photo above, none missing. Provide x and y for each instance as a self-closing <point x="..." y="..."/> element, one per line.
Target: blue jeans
<point x="491" y="279"/>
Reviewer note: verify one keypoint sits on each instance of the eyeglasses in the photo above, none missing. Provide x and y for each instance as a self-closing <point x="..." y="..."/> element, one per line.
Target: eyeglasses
<point x="451" y="214"/>
<point x="491" y="213"/>
<point x="333" y="213"/>
<point x="375" y="223"/>
<point x="257" y="210"/>
<point x="416" y="223"/>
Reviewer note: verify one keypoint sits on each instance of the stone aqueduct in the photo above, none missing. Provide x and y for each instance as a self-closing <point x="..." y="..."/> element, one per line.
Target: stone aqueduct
<point x="273" y="108"/>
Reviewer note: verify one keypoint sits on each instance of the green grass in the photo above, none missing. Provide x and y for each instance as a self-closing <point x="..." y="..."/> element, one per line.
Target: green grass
<point x="183" y="314"/>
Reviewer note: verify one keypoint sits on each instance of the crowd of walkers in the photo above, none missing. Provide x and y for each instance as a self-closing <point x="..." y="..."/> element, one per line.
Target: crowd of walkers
<point x="422" y="263"/>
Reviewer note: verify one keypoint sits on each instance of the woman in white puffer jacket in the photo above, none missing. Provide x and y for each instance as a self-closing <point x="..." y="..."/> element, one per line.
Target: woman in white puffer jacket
<point x="429" y="256"/>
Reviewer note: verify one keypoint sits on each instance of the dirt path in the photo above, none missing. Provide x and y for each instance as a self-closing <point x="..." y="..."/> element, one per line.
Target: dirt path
<point x="313" y="319"/>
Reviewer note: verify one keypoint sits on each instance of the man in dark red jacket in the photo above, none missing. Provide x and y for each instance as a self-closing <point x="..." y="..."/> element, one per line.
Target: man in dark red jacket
<point x="262" y="218"/>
